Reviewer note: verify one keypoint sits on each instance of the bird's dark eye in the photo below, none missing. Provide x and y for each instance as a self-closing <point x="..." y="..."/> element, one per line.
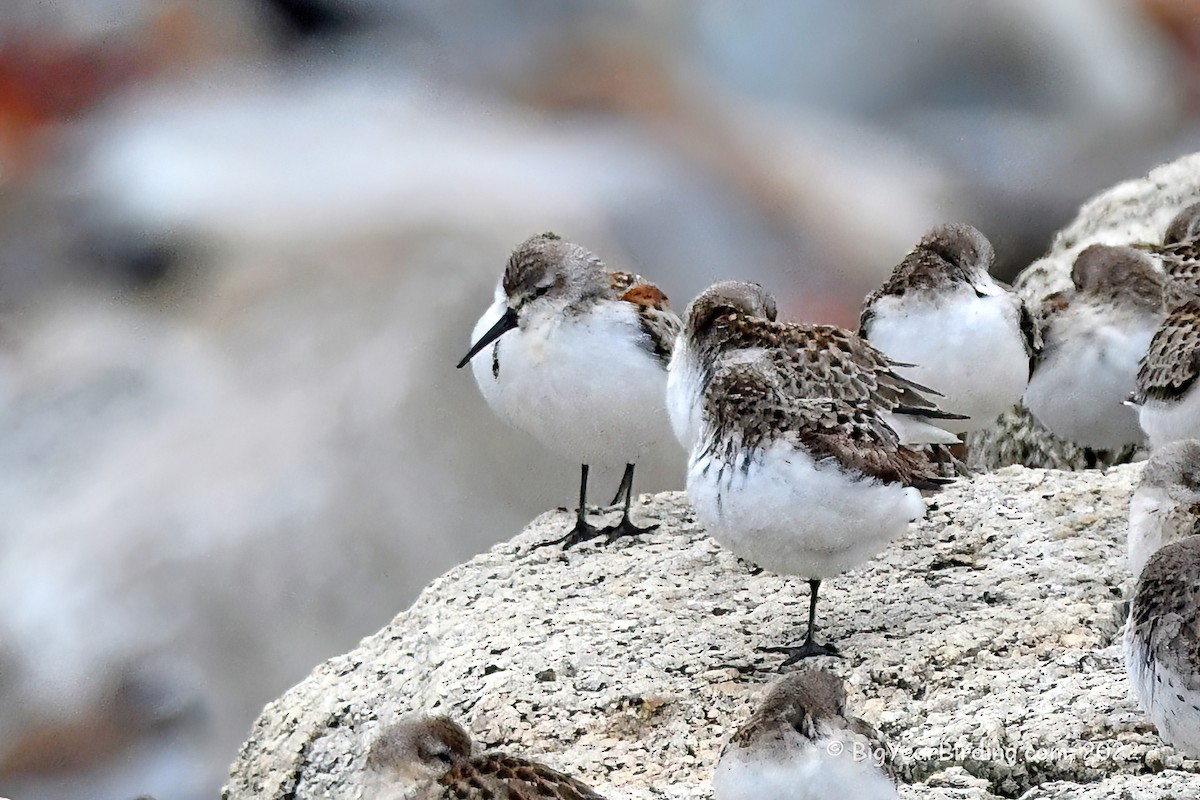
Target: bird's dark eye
<point x="443" y="756"/>
<point x="541" y="291"/>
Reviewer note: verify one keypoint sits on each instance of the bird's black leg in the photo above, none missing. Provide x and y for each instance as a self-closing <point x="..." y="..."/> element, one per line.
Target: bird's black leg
<point x="625" y="527"/>
<point x="583" y="530"/>
<point x="810" y="647"/>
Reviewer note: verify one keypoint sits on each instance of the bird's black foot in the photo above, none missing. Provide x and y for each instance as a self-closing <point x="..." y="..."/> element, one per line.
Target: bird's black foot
<point x="582" y="532"/>
<point x="624" y="528"/>
<point x="809" y="649"/>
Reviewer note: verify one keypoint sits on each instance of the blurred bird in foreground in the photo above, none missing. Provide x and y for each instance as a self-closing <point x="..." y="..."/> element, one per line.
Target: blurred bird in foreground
<point x="802" y="744"/>
<point x="430" y="758"/>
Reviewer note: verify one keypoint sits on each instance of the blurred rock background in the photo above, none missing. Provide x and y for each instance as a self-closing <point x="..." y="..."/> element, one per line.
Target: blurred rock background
<point x="242" y="244"/>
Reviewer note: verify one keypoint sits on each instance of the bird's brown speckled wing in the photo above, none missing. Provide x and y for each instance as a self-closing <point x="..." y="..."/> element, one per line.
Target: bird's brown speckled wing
<point x="823" y="360"/>
<point x="499" y="777"/>
<point x="1166" y="608"/>
<point x="751" y="401"/>
<point x="659" y="324"/>
<point x="1172" y="362"/>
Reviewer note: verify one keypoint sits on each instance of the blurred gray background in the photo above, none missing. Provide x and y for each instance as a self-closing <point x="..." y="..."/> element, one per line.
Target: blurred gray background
<point x="242" y="244"/>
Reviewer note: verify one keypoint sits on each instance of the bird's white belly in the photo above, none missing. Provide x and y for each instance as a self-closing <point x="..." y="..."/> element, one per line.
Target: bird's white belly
<point x="970" y="351"/>
<point x="582" y="386"/>
<point x="1079" y="392"/>
<point x="1165" y="697"/>
<point x="795" y="516"/>
<point x="821" y="771"/>
<point x="1171" y="422"/>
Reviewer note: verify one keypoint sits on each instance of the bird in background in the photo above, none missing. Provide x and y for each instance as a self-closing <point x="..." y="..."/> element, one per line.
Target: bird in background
<point x="1093" y="338"/>
<point x="433" y="758"/>
<point x="950" y="326"/>
<point x="1179" y="251"/>
<point x="795" y="462"/>
<point x="576" y="356"/>
<point x="802" y="744"/>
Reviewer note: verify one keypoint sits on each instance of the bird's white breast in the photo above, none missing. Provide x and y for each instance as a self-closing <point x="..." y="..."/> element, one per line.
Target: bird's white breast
<point x="968" y="348"/>
<point x="1171" y="421"/>
<point x="1090" y="368"/>
<point x="830" y="768"/>
<point x="582" y="384"/>
<point x="684" y="393"/>
<point x="796" y="516"/>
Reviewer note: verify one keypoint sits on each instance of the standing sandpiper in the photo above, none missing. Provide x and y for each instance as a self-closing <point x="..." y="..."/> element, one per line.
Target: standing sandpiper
<point x="578" y="359"/>
<point x="950" y="326"/>
<point x="802" y="745"/>
<point x="795" y="462"/>
<point x="1162" y="643"/>
<point x="430" y="758"/>
<point x="1093" y="339"/>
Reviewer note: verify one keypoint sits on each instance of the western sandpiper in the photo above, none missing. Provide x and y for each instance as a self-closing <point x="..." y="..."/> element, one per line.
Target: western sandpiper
<point x="578" y="358"/>
<point x="431" y="758"/>
<point x="951" y="327"/>
<point x="1092" y="339"/>
<point x="801" y="744"/>
<point x="1162" y="643"/>
<point x="795" y="461"/>
<point x="1180" y="248"/>
<point x="1165" y="394"/>
<point x="1165" y="506"/>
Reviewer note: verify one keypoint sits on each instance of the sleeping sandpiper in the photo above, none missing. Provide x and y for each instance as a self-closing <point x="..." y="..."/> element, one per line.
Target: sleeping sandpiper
<point x="794" y="461"/>
<point x="952" y="327"/>
<point x="431" y="758"/>
<point x="1092" y="339"/>
<point x="801" y="744"/>
<point x="578" y="358"/>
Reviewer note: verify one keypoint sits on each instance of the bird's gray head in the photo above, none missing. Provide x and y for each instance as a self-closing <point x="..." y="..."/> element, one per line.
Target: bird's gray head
<point x="725" y="298"/>
<point x="546" y="270"/>
<point x="419" y="748"/>
<point x="1107" y="272"/>
<point x="958" y="249"/>
<point x="544" y="274"/>
<point x="810" y="702"/>
<point x="1175" y="466"/>
<point x="1184" y="227"/>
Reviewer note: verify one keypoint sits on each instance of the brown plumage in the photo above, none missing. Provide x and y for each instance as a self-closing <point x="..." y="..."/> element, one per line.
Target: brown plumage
<point x="430" y="758"/>
<point x="1172" y="361"/>
<point x="819" y="386"/>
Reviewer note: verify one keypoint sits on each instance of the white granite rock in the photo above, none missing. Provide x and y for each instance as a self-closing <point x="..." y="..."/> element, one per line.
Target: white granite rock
<point x="981" y="644"/>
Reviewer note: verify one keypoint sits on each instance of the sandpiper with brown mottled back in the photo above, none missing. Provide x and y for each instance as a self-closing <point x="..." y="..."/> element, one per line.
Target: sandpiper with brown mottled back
<point x="576" y="355"/>
<point x="433" y="758"/>
<point x="795" y="462"/>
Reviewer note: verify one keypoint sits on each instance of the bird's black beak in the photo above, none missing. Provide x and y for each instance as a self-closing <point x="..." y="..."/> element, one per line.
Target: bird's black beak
<point x="503" y="325"/>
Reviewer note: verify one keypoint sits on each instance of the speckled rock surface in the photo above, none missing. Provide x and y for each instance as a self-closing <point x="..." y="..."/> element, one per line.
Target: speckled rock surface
<point x="1133" y="211"/>
<point x="981" y="644"/>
